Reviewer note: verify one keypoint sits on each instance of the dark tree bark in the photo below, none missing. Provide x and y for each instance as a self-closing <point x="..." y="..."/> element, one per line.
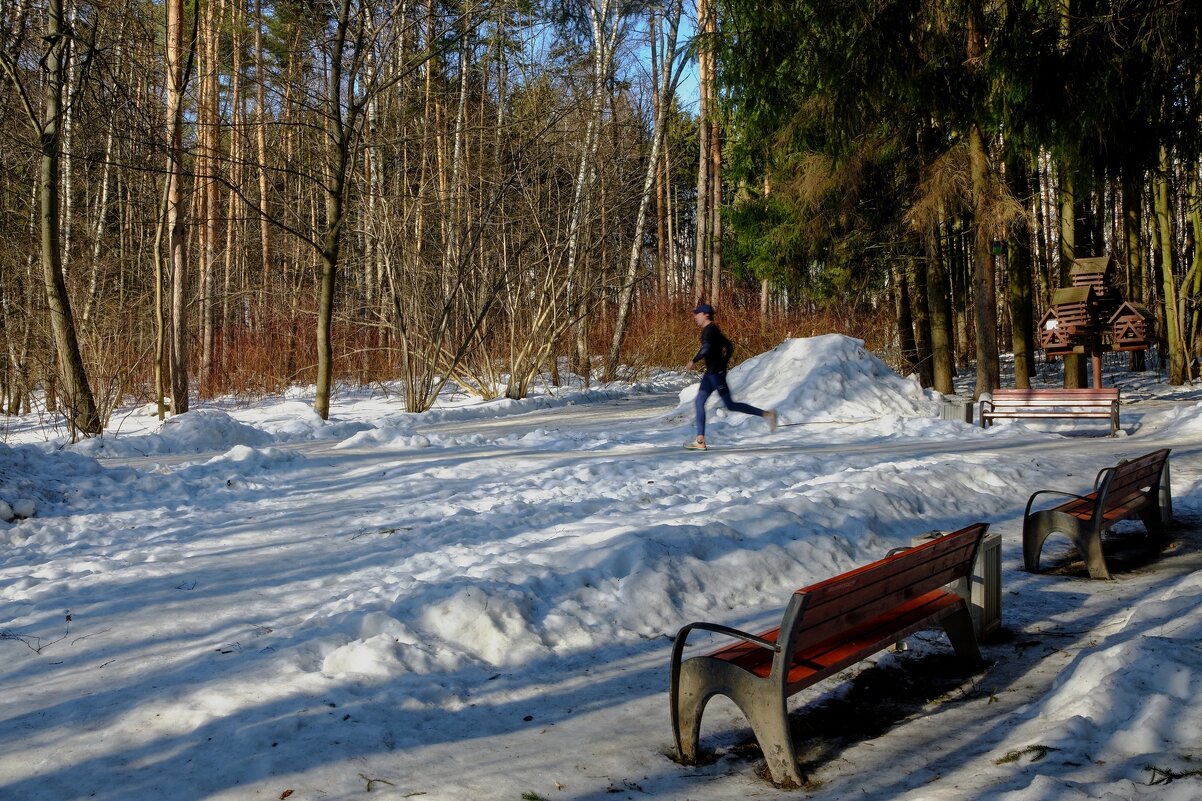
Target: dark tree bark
<point x="1019" y="261"/>
<point x="75" y="388"/>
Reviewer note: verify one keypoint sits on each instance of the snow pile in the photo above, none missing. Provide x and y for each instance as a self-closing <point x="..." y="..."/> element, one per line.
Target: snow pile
<point x="390" y="437"/>
<point x="197" y="431"/>
<point x="292" y="421"/>
<point x="824" y="378"/>
<point x="1184" y="421"/>
<point x="32" y="481"/>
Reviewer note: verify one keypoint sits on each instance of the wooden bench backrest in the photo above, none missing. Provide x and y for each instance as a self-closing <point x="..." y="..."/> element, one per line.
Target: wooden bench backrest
<point x="847" y="600"/>
<point x="1068" y="396"/>
<point x="1131" y="481"/>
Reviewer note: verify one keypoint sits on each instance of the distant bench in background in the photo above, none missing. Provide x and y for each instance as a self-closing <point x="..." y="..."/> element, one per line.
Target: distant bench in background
<point x="826" y="627"/>
<point x="1003" y="404"/>
<point x="1135" y="487"/>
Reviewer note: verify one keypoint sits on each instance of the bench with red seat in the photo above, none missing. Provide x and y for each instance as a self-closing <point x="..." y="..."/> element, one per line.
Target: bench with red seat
<point x="1136" y="487"/>
<point x="826" y="627"/>
<point x="1016" y="404"/>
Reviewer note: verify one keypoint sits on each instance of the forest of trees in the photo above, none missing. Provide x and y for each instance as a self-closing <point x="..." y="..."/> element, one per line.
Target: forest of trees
<point x="217" y="197"/>
<point x="964" y="154"/>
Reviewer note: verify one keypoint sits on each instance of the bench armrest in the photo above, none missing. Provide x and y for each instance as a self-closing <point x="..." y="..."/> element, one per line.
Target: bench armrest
<point x="1097" y="482"/>
<point x="1027" y="512"/>
<point x="678" y="654"/>
<point x="717" y="628"/>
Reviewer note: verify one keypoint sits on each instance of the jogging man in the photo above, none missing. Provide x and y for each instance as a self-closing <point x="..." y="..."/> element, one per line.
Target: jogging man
<point x="716" y="351"/>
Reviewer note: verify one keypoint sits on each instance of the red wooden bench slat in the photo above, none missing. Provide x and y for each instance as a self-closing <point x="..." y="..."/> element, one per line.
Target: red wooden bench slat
<point x="819" y="660"/>
<point x="1128" y="490"/>
<point x="1092" y="402"/>
<point x="826" y="617"/>
<point x="824" y="659"/>
<point x="1005" y="392"/>
<point x="827" y="601"/>
<point x="840" y="603"/>
<point x="1084" y="510"/>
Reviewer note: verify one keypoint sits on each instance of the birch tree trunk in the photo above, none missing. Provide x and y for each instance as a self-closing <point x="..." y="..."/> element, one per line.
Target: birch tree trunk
<point x="657" y="100"/>
<point x="82" y="416"/>
<point x="234" y="228"/>
<point x="261" y="160"/>
<point x="702" y="214"/>
<point x="177" y="265"/>
<point x="98" y="228"/>
<point x="714" y="202"/>
<point x="586" y="170"/>
<point x="207" y="112"/>
<point x="626" y="296"/>
<point x="339" y="130"/>
<point x="452" y="255"/>
<point x="1191" y="286"/>
<point x="67" y="170"/>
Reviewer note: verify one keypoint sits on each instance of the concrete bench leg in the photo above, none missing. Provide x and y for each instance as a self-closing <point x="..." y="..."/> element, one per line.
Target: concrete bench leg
<point x="1089" y="544"/>
<point x="1164" y="495"/>
<point x="688" y="700"/>
<point x="1037" y="527"/>
<point x="689" y="695"/>
<point x="769" y="717"/>
<point x="764" y="705"/>
<point x="1151" y="517"/>
<point x="959" y="629"/>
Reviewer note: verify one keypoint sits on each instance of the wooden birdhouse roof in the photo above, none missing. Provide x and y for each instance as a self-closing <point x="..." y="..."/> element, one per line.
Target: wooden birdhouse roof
<point x="1073" y="294"/>
<point x="1130" y="309"/>
<point x="1096" y="265"/>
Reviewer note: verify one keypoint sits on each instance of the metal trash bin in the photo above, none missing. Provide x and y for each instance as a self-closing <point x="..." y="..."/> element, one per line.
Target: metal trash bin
<point x="983" y="588"/>
<point x="956" y="408"/>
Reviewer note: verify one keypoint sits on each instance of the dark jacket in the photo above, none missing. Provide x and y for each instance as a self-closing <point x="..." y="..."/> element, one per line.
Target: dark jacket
<point x="716" y="349"/>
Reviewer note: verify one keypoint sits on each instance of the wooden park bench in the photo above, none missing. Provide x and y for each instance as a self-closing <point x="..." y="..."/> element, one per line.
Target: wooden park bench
<point x="1132" y="487"/>
<point x="826" y="627"/>
<point x="1051" y="403"/>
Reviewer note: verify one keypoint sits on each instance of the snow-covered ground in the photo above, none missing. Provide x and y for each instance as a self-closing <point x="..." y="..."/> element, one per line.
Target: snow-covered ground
<point x="478" y="602"/>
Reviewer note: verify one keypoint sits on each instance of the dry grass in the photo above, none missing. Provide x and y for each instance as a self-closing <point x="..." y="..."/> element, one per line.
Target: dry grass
<point x="663" y="334"/>
<point x="274" y="347"/>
